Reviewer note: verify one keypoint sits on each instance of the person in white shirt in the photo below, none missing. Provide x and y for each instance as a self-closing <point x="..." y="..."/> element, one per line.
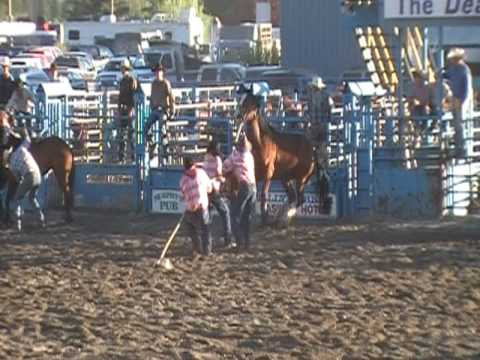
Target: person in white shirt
<point x="242" y="164"/>
<point x="212" y="164"/>
<point x="27" y="173"/>
<point x="21" y="102"/>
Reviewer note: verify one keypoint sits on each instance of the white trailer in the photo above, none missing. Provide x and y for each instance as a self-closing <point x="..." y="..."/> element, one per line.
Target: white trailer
<point x="186" y="29"/>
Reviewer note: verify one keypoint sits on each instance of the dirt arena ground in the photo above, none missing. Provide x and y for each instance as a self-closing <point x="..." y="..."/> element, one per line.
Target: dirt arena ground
<point x="339" y="291"/>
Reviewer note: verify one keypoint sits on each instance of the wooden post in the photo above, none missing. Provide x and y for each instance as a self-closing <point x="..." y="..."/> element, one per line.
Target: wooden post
<point x="10" y="16"/>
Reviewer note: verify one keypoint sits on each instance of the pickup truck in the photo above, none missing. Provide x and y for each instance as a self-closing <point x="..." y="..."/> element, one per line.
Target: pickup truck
<point x="223" y="73"/>
<point x="179" y="64"/>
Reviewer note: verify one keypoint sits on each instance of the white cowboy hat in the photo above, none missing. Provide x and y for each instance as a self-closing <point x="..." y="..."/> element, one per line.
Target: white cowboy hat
<point x="126" y="64"/>
<point x="317" y="82"/>
<point x="5" y="61"/>
<point x="456" y="53"/>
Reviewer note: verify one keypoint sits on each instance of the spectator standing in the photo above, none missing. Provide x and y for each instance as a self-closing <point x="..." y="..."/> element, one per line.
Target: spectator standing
<point x="460" y="77"/>
<point x="7" y="84"/>
<point x="126" y="106"/>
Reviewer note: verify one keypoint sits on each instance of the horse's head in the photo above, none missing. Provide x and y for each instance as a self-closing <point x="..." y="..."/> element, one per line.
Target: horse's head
<point x="249" y="103"/>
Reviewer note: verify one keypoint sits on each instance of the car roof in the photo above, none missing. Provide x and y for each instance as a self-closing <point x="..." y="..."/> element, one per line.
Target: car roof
<point x="74" y="53"/>
<point x="222" y="65"/>
<point x="118" y="58"/>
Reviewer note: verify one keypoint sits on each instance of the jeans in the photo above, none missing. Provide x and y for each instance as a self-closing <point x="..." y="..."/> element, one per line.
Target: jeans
<point x="458" y="126"/>
<point x="221" y="206"/>
<point x="155" y="115"/>
<point x="243" y="208"/>
<point x="28" y="184"/>
<point x="125" y="126"/>
<point x="197" y="227"/>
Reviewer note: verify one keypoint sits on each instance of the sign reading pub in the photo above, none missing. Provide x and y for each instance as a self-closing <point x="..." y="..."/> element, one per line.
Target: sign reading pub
<point x="408" y="9"/>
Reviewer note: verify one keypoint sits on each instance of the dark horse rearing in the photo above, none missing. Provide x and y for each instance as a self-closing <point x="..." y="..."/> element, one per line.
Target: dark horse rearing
<point x="286" y="157"/>
<point x="51" y="153"/>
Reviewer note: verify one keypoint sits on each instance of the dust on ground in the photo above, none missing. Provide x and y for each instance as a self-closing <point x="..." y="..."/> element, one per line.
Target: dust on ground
<point x="314" y="291"/>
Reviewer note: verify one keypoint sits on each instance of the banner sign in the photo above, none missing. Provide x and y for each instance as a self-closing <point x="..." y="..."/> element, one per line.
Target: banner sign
<point x="426" y="9"/>
<point x="170" y="202"/>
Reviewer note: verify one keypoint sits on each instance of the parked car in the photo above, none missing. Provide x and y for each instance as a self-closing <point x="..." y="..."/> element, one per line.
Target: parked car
<point x="228" y="72"/>
<point x="20" y="61"/>
<point x="88" y="71"/>
<point x="83" y="55"/>
<point x="100" y="54"/>
<point x="45" y="52"/>
<point x="111" y="74"/>
<point x="75" y="77"/>
<point x="42" y="58"/>
<point x="33" y="78"/>
<point x="11" y="51"/>
<point x="287" y="80"/>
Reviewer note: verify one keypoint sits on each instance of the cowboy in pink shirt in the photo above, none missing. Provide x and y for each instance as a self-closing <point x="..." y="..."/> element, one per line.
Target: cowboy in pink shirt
<point x="195" y="186"/>
<point x="212" y="164"/>
<point x="242" y="164"/>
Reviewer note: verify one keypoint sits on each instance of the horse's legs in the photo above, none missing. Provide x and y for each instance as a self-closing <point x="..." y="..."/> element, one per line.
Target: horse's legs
<point x="290" y="189"/>
<point x="264" y="206"/>
<point x="32" y="197"/>
<point x="63" y="178"/>
<point x="11" y="190"/>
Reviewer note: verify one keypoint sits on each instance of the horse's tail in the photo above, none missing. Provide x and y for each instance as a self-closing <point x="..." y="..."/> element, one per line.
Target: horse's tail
<point x="71" y="182"/>
<point x="323" y="181"/>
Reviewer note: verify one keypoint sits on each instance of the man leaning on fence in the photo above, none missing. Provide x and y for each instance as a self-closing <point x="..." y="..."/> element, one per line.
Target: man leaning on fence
<point x="460" y="77"/>
<point x="126" y="106"/>
<point x="162" y="102"/>
<point x="195" y="186"/>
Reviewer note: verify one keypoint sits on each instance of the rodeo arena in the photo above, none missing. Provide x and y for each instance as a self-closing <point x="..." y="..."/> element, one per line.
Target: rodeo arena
<point x="161" y="199"/>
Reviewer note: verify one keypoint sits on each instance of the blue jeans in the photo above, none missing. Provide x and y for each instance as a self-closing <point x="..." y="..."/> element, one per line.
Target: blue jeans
<point x="126" y="133"/>
<point x="243" y="208"/>
<point x="155" y="115"/>
<point x="221" y="206"/>
<point x="197" y="227"/>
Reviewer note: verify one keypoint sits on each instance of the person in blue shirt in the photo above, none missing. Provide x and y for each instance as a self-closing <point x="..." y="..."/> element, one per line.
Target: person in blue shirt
<point x="460" y="78"/>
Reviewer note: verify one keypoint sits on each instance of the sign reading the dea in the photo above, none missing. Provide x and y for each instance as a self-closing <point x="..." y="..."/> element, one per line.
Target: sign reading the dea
<point x="408" y="9"/>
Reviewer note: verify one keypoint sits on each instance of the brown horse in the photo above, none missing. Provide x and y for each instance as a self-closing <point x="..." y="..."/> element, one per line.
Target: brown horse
<point x="51" y="153"/>
<point x="286" y="157"/>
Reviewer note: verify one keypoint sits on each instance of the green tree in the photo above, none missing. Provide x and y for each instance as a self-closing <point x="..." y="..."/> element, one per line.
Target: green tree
<point x="275" y="56"/>
<point x="259" y="53"/>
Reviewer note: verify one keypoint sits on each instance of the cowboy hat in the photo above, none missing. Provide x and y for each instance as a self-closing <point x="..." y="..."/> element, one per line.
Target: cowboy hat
<point x="456" y="53"/>
<point x="317" y="82"/>
<point x="126" y="64"/>
<point x="419" y="73"/>
<point x="158" y="67"/>
<point x="5" y="61"/>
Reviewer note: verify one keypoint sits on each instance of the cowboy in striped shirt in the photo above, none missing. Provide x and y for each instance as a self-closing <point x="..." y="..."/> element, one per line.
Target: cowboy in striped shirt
<point x="212" y="164"/>
<point x="28" y="175"/>
<point x="242" y="164"/>
<point x="195" y="186"/>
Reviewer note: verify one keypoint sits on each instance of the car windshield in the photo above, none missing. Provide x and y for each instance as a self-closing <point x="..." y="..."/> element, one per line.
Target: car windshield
<point x="70" y="62"/>
<point x="113" y="66"/>
<point x="140" y="63"/>
<point x="92" y="50"/>
<point x="152" y="59"/>
<point x="37" y="76"/>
